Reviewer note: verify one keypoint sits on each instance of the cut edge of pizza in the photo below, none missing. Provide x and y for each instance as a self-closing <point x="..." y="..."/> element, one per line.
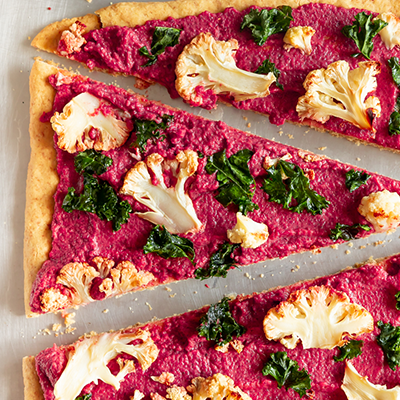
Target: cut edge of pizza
<point x="247" y="234"/>
<point x="292" y="317"/>
<point x="313" y="113"/>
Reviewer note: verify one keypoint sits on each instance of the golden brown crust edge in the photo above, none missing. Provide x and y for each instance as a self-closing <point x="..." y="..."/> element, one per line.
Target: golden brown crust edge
<point x="32" y="388"/>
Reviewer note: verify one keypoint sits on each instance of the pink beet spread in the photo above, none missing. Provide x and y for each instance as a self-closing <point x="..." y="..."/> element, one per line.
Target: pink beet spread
<point x="117" y="49"/>
<point x="80" y="236"/>
<point x="187" y="356"/>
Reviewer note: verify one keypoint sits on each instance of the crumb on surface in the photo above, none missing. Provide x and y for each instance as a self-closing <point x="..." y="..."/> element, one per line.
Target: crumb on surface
<point x="316" y="251"/>
<point x="261" y="275"/>
<point x="379" y="242"/>
<point x="148" y="305"/>
<point x="249" y="125"/>
<point x="314" y="262"/>
<point x="69" y="319"/>
<point x="105" y="311"/>
<point x="362" y="247"/>
<point x="322" y="148"/>
<point x="351" y="244"/>
<point x="172" y="295"/>
<point x="245" y="118"/>
<point x="290" y="136"/>
<point x="334" y="246"/>
<point x="70" y="329"/>
<point x="358" y="158"/>
<point x="297" y="266"/>
<point x="347" y="252"/>
<point x="56" y="327"/>
<point x="168" y="289"/>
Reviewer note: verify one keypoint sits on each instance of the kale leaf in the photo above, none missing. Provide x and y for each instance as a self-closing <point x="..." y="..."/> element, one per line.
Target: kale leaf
<point x="92" y="162"/>
<point x="98" y="197"/>
<point x="363" y="30"/>
<point x="286" y="372"/>
<point x="397" y="297"/>
<point x="394" y="121"/>
<point x="219" y="325"/>
<point x="236" y="184"/>
<point x="147" y="129"/>
<point x="295" y="187"/>
<point x="395" y="66"/>
<point x="355" y="179"/>
<point x="346" y="232"/>
<point x="220" y="262"/>
<point x="350" y="350"/>
<point x="265" y="23"/>
<point x="85" y="397"/>
<point x="389" y="340"/>
<point x="162" y="38"/>
<point x="167" y="245"/>
<point x="268" y="66"/>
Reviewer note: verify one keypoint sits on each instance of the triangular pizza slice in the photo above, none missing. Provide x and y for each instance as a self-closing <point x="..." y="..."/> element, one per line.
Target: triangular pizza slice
<point x="322" y="65"/>
<point x="124" y="193"/>
<point x="330" y="338"/>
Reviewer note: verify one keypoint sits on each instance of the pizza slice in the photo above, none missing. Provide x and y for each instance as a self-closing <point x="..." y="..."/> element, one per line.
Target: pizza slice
<point x="322" y="65"/>
<point x="331" y="338"/>
<point x="124" y="193"/>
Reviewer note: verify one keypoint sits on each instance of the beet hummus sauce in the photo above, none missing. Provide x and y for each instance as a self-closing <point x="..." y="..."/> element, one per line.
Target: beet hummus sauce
<point x="117" y="49"/>
<point x="186" y="355"/>
<point x="79" y="236"/>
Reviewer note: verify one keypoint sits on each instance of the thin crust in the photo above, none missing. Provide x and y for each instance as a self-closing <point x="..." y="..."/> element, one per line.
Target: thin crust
<point x="33" y="391"/>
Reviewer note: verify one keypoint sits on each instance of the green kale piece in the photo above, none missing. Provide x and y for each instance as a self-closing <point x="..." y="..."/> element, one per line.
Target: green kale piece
<point x="347" y="232"/>
<point x="394" y="121"/>
<point x="220" y="262"/>
<point x="397" y="297"/>
<point x="395" y="67"/>
<point x="268" y="66"/>
<point x="389" y="340"/>
<point x="98" y="197"/>
<point x="350" y="350"/>
<point x="286" y="372"/>
<point x="264" y="23"/>
<point x="92" y="162"/>
<point x="167" y="245"/>
<point x="236" y="184"/>
<point x="363" y="30"/>
<point x="147" y="129"/>
<point x="162" y="38"/>
<point x="295" y="186"/>
<point x="355" y="179"/>
<point x="219" y="325"/>
<point x="85" y="397"/>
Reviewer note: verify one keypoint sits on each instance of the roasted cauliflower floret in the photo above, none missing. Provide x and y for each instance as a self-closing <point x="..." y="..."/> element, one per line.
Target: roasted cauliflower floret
<point x="248" y="233"/>
<point x="390" y="34"/>
<point x="211" y="64"/>
<point x="124" y="278"/>
<point x="339" y="92"/>
<point x="317" y="316"/>
<point x="358" y="387"/>
<point x="52" y="300"/>
<point x="87" y="362"/>
<point x="166" y="378"/>
<point x="299" y="37"/>
<point x="381" y="209"/>
<point x="78" y="278"/>
<point x="71" y="39"/>
<point x="171" y="207"/>
<point x="82" y="125"/>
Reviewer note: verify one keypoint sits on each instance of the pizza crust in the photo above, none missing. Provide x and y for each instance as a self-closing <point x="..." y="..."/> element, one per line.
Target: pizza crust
<point x="32" y="388"/>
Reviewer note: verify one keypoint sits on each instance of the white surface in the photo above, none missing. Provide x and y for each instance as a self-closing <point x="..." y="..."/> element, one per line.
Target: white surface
<point x="23" y="18"/>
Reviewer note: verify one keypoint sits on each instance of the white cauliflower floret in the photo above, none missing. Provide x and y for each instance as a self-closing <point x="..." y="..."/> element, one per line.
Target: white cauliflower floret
<point x="390" y="34"/>
<point x="71" y="40"/>
<point x="87" y="362"/>
<point x="317" y="316"/>
<point x="137" y="395"/>
<point x="82" y="125"/>
<point x="299" y="37"/>
<point x="78" y="278"/>
<point x="248" y="233"/>
<point x="336" y="91"/>
<point x="171" y="207"/>
<point x="210" y="64"/>
<point x="124" y="278"/>
<point x="358" y="387"/>
<point x="381" y="209"/>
